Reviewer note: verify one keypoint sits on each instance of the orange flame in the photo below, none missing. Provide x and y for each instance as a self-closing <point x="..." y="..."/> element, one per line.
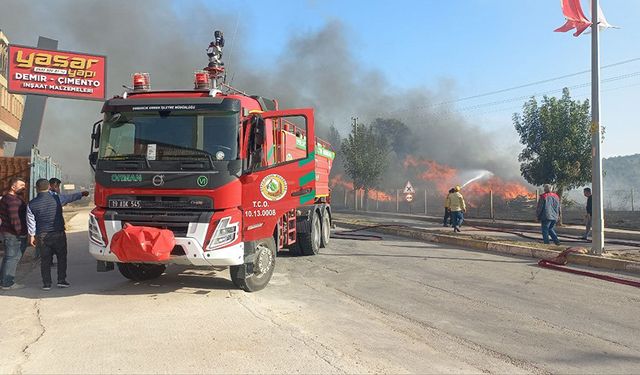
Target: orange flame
<point x="339" y="181"/>
<point x="441" y="175"/>
<point x="445" y="177"/>
<point x="507" y="190"/>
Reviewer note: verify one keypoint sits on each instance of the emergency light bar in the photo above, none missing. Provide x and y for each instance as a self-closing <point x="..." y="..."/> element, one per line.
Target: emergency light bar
<point x="201" y="80"/>
<point x="141" y="82"/>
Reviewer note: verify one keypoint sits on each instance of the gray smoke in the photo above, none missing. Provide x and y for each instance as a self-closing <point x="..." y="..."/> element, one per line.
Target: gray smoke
<point x="168" y="40"/>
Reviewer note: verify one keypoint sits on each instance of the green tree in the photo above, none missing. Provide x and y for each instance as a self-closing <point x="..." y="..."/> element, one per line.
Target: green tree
<point x="557" y="142"/>
<point x="401" y="138"/>
<point x="365" y="158"/>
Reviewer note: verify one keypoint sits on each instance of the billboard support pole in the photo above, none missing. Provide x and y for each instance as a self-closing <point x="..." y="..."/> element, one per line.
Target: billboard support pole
<point x="33" y="112"/>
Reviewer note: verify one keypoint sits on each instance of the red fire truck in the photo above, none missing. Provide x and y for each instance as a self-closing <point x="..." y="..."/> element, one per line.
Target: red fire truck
<point x="233" y="178"/>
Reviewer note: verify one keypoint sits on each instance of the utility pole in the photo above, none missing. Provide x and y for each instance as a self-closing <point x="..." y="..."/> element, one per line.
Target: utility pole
<point x="597" y="246"/>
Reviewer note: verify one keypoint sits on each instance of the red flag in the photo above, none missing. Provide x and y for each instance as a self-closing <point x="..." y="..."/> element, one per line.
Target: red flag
<point x="575" y="17"/>
<point x="142" y="244"/>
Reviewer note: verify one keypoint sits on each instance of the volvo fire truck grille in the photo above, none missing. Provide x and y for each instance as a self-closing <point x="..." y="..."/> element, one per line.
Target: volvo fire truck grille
<point x="175" y="221"/>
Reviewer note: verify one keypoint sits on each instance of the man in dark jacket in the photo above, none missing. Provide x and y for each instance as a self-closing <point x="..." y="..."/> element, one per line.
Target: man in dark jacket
<point x="587" y="217"/>
<point x="548" y="212"/>
<point x="46" y="230"/>
<point x="13" y="231"/>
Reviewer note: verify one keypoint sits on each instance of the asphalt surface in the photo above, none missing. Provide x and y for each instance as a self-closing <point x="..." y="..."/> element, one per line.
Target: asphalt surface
<point x="624" y="249"/>
<point x="390" y="306"/>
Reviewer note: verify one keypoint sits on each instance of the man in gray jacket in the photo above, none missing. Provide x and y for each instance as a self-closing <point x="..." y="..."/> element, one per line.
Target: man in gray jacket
<point x="548" y="212"/>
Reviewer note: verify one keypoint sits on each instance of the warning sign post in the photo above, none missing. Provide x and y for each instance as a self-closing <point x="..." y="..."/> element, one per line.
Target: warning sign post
<point x="409" y="192"/>
<point x="408" y="188"/>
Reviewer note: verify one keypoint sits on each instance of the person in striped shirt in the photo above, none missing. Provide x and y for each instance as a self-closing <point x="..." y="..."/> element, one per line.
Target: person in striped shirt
<point x="13" y="231"/>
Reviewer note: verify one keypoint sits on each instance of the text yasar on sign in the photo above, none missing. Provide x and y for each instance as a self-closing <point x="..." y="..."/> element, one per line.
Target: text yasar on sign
<point x="56" y="73"/>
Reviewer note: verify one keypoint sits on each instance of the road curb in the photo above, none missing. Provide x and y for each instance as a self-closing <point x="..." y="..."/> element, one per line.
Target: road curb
<point x="563" y="230"/>
<point x="495" y="246"/>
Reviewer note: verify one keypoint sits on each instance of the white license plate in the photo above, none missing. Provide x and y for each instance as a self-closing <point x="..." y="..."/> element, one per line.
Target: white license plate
<point x="121" y="203"/>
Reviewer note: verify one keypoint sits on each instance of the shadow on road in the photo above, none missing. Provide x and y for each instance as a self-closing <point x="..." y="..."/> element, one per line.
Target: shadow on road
<point x="85" y="280"/>
<point x="175" y="280"/>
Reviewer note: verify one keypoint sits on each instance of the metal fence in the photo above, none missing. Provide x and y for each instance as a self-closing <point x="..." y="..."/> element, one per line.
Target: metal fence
<point x="41" y="167"/>
<point x="619" y="206"/>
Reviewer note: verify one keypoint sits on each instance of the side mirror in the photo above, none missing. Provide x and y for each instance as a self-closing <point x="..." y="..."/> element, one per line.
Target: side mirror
<point x="95" y="135"/>
<point x="95" y="144"/>
<point x="93" y="158"/>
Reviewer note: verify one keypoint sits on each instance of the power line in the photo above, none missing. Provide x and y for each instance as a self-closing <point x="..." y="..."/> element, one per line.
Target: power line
<point x="447" y="102"/>
<point x="524" y="97"/>
<point x="535" y="83"/>
<point x="468" y="111"/>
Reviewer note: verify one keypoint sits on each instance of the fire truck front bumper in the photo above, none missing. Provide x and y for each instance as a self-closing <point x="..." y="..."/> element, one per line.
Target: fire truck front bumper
<point x="194" y="255"/>
<point x="192" y="252"/>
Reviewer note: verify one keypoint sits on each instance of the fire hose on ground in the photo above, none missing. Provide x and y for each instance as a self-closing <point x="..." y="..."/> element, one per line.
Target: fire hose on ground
<point x="558" y="263"/>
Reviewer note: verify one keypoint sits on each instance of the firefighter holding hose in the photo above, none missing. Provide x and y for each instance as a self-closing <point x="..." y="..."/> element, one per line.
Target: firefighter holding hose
<point x="457" y="207"/>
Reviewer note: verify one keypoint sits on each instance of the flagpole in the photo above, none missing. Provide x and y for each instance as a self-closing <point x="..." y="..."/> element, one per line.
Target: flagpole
<point x="597" y="246"/>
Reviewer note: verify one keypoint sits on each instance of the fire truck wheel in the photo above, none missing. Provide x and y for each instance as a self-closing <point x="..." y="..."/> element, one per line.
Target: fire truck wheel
<point x="256" y="277"/>
<point x="124" y="270"/>
<point x="141" y="271"/>
<point x="326" y="229"/>
<point x="309" y="243"/>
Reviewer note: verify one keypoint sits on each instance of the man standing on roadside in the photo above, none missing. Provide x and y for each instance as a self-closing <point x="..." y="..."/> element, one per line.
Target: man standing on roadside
<point x="46" y="231"/>
<point x="13" y="232"/>
<point x="548" y="212"/>
<point x="54" y="189"/>
<point x="587" y="216"/>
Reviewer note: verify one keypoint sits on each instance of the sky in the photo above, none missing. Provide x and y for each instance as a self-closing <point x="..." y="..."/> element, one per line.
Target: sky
<point x="388" y="58"/>
<point x="473" y="46"/>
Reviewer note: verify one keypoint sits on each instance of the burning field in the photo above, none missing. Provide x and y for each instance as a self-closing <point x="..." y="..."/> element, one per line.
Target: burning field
<point x="338" y="181"/>
<point x="477" y="186"/>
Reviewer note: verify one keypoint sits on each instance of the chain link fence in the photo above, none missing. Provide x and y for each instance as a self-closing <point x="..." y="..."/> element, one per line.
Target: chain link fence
<point x="620" y="206"/>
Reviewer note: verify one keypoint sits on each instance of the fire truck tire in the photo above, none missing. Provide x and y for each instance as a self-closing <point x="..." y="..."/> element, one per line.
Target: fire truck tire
<point x="309" y="243"/>
<point x="124" y="271"/>
<point x="141" y="271"/>
<point x="255" y="276"/>
<point x="326" y="229"/>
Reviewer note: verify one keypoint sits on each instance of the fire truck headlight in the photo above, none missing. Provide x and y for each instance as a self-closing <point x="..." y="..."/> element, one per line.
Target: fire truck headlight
<point x="95" y="235"/>
<point x="226" y="233"/>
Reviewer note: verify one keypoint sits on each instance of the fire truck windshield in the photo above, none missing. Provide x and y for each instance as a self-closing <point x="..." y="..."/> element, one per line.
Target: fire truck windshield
<point x="210" y="136"/>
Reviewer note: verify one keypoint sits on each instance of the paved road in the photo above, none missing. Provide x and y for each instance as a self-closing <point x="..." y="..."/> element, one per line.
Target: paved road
<point x="391" y="306"/>
<point x="625" y="249"/>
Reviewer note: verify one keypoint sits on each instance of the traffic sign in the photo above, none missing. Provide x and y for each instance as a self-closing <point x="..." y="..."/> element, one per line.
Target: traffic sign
<point x="409" y="197"/>
<point x="408" y="188"/>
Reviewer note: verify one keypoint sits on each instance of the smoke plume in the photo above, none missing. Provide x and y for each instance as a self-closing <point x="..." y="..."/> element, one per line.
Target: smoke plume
<point x="168" y="40"/>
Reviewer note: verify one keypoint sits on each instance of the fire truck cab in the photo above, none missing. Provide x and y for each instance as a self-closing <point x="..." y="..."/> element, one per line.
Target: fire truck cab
<point x="231" y="176"/>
